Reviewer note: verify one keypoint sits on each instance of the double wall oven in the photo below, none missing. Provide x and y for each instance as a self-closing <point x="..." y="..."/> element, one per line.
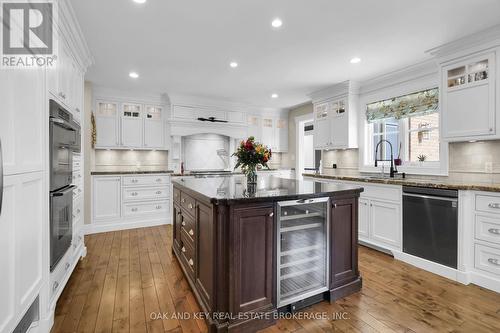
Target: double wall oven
<point x="64" y="134"/>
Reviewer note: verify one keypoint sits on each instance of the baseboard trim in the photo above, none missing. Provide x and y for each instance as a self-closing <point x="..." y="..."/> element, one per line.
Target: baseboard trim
<point x="485" y="281"/>
<point x="95" y="228"/>
<point x="441" y="270"/>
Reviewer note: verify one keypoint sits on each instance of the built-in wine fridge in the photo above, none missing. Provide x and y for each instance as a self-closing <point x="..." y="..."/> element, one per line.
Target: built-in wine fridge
<point x="303" y="255"/>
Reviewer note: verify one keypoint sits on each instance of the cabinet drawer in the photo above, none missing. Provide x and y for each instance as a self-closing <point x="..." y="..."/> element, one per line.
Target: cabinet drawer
<point x="142" y="194"/>
<point x="177" y="196"/>
<point x="145" y="180"/>
<point x="487" y="229"/>
<point x="487" y="258"/>
<point x="188" y="229"/>
<point x="77" y="177"/>
<point x="58" y="275"/>
<point x="487" y="203"/>
<point x="392" y="193"/>
<point x="188" y="259"/>
<point x="77" y="191"/>
<point x="77" y="208"/>
<point x="132" y="209"/>
<point x="188" y="203"/>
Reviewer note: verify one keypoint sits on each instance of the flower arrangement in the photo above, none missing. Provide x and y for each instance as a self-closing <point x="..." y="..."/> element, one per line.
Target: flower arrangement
<point x="251" y="154"/>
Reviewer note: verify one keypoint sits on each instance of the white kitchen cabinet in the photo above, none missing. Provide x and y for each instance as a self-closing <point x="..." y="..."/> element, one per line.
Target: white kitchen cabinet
<point x="268" y="132"/>
<point x="21" y="244"/>
<point x="335" y="117"/>
<point x="364" y="218"/>
<point x="385" y="222"/>
<point x="106" y="197"/>
<point x="255" y="127"/>
<point x="281" y="135"/>
<point x="106" y="124"/>
<point x="468" y="89"/>
<point x="153" y="133"/>
<point x="131" y="126"/>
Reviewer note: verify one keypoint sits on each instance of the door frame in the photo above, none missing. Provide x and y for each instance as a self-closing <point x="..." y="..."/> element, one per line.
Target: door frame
<point x="300" y="122"/>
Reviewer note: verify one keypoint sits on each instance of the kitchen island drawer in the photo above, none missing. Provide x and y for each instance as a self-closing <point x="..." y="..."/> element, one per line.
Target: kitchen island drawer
<point x="188" y="259"/>
<point x="487" y="228"/>
<point x="145" y="180"/>
<point x="177" y="196"/>
<point x="488" y="203"/>
<point x="133" y="209"/>
<point x="487" y="258"/>
<point x="188" y="203"/>
<point x="141" y="194"/>
<point x="188" y="235"/>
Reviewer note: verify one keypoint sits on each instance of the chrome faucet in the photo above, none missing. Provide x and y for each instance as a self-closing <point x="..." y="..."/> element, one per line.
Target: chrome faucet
<point x="393" y="167"/>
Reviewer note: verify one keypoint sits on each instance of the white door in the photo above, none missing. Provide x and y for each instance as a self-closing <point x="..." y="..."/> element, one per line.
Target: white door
<point x="363" y="218"/>
<point x="131" y="132"/>
<point x="321" y="133"/>
<point x="21" y="244"/>
<point x="268" y="138"/>
<point x="153" y="133"/>
<point x="385" y="225"/>
<point x="106" y="197"/>
<point x="22" y="123"/>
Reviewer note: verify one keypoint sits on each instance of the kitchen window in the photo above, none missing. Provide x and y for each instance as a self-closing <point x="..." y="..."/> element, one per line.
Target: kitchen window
<point x="411" y="124"/>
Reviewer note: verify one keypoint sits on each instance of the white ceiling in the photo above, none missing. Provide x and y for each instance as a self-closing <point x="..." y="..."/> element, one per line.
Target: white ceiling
<point x="185" y="46"/>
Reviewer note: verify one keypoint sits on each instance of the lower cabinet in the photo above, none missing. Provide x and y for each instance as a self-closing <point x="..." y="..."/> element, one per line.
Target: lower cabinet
<point x="385" y="223"/>
<point x="121" y="202"/>
<point x="205" y="252"/>
<point x="364" y="218"/>
<point x="253" y="245"/>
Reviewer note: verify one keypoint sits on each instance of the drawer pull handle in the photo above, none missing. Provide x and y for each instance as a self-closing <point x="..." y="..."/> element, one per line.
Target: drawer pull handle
<point x="190" y="206"/>
<point x="191" y="262"/>
<point x="494" y="231"/>
<point x="158" y="180"/>
<point x="134" y="209"/>
<point x="191" y="232"/>
<point x="158" y="192"/>
<point x="55" y="286"/>
<point x="271" y="214"/>
<point x="183" y="249"/>
<point x="494" y="261"/>
<point x="183" y="200"/>
<point x="134" y="194"/>
<point x="494" y="205"/>
<point x="67" y="266"/>
<point x="183" y="223"/>
<point x="158" y="207"/>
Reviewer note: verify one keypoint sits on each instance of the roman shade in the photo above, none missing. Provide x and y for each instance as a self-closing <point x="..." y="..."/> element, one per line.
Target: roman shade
<point x="419" y="103"/>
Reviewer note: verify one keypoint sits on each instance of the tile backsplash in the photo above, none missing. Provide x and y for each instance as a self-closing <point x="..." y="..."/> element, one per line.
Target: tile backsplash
<point x="476" y="157"/>
<point x="136" y="158"/>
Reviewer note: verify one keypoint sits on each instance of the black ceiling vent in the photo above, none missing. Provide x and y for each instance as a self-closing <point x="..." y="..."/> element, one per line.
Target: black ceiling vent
<point x="212" y="120"/>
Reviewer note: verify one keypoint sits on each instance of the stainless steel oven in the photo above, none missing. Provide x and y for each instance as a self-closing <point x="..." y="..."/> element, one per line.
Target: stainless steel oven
<point x="61" y="223"/>
<point x="64" y="139"/>
<point x="64" y="135"/>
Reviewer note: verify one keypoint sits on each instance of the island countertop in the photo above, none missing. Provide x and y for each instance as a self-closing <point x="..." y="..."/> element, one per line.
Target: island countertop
<point x="232" y="189"/>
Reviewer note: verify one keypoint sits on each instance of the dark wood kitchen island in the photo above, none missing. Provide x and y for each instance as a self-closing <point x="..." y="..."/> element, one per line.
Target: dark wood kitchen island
<point x="250" y="255"/>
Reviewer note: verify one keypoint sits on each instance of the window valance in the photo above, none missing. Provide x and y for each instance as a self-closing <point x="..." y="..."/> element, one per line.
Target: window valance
<point x="418" y="103"/>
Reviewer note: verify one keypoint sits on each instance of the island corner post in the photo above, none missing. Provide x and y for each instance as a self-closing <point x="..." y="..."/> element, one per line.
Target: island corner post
<point x="227" y="249"/>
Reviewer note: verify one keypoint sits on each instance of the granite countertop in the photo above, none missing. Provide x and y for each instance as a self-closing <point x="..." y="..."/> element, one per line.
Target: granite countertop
<point x="431" y="182"/>
<point x="123" y="170"/>
<point x="232" y="189"/>
<point x="190" y="174"/>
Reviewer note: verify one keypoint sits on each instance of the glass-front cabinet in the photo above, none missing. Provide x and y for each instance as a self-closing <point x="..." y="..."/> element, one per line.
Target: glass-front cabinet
<point x="302" y="249"/>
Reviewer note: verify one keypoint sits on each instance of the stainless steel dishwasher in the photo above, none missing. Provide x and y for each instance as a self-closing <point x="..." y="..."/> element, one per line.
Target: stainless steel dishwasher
<point x="430" y="224"/>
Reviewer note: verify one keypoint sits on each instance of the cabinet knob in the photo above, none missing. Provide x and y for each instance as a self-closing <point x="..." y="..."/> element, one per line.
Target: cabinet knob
<point x="183" y="223"/>
<point x="494" y="231"/>
<point x="493" y="261"/>
<point x="158" y="207"/>
<point x="158" y="180"/>
<point x="183" y="249"/>
<point x="494" y="205"/>
<point x="491" y="129"/>
<point x="190" y="206"/>
<point x="191" y="232"/>
<point x="191" y="262"/>
<point x="158" y="192"/>
<point x="134" y="209"/>
<point x="183" y="200"/>
<point x="334" y="205"/>
<point x="55" y="286"/>
<point x="66" y="266"/>
<point x="271" y="214"/>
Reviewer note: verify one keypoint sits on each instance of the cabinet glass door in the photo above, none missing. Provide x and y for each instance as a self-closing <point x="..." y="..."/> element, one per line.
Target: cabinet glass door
<point x="131" y="111"/>
<point x="302" y="249"/>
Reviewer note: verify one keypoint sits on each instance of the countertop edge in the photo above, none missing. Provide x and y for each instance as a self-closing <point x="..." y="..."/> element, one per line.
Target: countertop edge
<point x="104" y="173"/>
<point x="409" y="182"/>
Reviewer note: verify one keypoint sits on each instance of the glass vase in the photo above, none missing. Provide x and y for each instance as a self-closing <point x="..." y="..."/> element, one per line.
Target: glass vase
<point x="251" y="173"/>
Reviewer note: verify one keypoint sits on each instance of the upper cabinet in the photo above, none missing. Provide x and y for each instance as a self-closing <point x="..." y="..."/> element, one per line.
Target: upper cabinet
<point x="468" y="89"/>
<point x="335" y="117"/>
<point x="271" y="131"/>
<point x="129" y="126"/>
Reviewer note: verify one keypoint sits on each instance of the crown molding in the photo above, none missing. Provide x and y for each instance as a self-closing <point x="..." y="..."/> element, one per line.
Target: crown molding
<point x="336" y="90"/>
<point x="484" y="39"/>
<point x="423" y="71"/>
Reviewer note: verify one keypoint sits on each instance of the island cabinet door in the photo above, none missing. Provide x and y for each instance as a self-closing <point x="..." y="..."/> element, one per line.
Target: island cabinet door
<point x="251" y="258"/>
<point x="177" y="218"/>
<point x="205" y="253"/>
<point x="344" y="242"/>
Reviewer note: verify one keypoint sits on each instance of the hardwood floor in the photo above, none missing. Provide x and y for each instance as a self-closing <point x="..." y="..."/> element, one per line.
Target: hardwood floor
<point x="129" y="275"/>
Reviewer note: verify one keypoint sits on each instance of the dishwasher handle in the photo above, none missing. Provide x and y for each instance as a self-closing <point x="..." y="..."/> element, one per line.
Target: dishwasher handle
<point x="423" y="196"/>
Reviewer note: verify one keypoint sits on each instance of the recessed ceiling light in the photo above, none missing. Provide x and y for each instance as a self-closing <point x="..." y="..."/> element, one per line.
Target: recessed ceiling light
<point x="276" y="23"/>
<point x="274" y="96"/>
<point x="139" y="1"/>
<point x="133" y="75"/>
<point x="355" y="60"/>
<point x="233" y="64"/>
